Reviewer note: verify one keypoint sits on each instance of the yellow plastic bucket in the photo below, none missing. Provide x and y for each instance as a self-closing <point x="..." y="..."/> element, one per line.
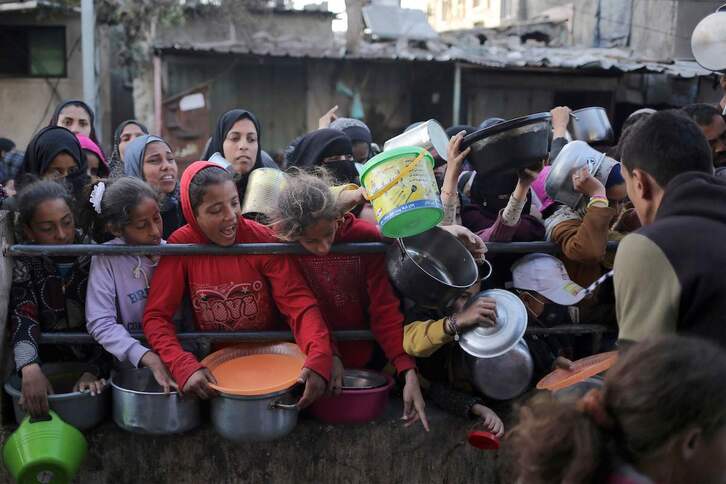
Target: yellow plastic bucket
<point x="402" y="189"/>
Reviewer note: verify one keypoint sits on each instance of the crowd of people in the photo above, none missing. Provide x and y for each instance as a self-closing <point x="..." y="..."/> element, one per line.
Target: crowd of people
<point x="657" y="192"/>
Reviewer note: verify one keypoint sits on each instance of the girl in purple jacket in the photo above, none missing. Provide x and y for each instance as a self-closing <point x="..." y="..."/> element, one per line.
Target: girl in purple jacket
<point x="128" y="209"/>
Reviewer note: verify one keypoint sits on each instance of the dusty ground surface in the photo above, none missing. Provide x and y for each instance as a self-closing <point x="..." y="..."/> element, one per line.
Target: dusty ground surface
<point x="380" y="452"/>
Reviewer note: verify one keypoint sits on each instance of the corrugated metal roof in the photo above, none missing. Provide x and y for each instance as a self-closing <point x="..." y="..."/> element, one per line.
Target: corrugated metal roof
<point x="491" y="56"/>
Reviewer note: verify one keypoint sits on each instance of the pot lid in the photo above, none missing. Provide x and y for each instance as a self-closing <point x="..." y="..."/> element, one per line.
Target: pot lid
<point x="484" y="342"/>
<point x="581" y="370"/>
<point x="362" y="380"/>
<point x="249" y="369"/>
<point x="708" y="41"/>
<point x="439" y="139"/>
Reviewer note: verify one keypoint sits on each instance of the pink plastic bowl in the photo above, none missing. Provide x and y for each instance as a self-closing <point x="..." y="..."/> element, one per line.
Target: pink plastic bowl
<point x="353" y="406"/>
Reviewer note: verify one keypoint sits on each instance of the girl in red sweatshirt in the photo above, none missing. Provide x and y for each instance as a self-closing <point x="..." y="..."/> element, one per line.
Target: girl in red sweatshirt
<point x="353" y="289"/>
<point x="230" y="293"/>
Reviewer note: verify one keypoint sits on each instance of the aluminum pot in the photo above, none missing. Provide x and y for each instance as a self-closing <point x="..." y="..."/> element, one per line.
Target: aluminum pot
<point x="510" y="146"/>
<point x="503" y="377"/>
<point x="263" y="191"/>
<point x="141" y="406"/>
<point x="432" y="268"/>
<point x="79" y="409"/>
<point x="591" y="125"/>
<point x="259" y="418"/>
<point x="708" y="41"/>
<point x="430" y="136"/>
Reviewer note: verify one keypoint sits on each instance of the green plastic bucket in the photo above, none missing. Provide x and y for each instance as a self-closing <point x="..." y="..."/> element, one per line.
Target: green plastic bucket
<point x="405" y="198"/>
<point x="44" y="451"/>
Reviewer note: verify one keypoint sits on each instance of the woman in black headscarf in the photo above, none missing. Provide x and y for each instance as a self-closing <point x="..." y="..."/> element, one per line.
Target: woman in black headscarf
<point x="54" y="153"/>
<point x="125" y="133"/>
<point x="237" y="137"/>
<point x="76" y="116"/>
<point x="329" y="148"/>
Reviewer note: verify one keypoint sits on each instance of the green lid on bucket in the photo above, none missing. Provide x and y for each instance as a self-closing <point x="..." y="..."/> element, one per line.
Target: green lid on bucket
<point x="44" y="451"/>
<point x="401" y="217"/>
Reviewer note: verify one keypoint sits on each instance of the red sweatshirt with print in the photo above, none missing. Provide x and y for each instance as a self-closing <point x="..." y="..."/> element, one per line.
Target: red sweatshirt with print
<point x="354" y="293"/>
<point x="231" y="293"/>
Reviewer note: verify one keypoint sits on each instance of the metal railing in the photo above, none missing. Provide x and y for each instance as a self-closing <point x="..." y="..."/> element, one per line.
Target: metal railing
<point x="254" y="249"/>
<point x="266" y="249"/>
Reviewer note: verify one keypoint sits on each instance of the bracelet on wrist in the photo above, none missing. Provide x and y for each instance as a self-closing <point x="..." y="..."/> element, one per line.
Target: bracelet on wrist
<point x="598" y="200"/>
<point x="455" y="327"/>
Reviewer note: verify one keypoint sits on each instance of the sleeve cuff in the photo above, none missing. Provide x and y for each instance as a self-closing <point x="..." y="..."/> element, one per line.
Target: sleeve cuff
<point x="404" y="363"/>
<point x="135" y="353"/>
<point x="320" y="364"/>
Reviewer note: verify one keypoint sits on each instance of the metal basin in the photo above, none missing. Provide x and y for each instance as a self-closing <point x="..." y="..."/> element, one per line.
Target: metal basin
<point x="362" y="379"/>
<point x="79" y="409"/>
<point x="141" y="406"/>
<point x="591" y="125"/>
<point x="432" y="268"/>
<point x="505" y="376"/>
<point x="510" y="146"/>
<point x="255" y="418"/>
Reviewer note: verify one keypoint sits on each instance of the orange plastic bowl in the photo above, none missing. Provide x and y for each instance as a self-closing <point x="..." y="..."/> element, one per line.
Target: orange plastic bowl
<point x="582" y="370"/>
<point x="250" y="370"/>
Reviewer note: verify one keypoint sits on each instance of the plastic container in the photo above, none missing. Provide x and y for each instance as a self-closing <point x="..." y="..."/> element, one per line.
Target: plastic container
<point x="353" y="406"/>
<point x="403" y="191"/>
<point x="44" y="451"/>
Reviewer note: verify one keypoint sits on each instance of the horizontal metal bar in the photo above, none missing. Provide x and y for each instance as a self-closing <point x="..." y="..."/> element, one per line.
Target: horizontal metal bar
<point x="252" y="249"/>
<point x="345" y="335"/>
<point x="186" y="249"/>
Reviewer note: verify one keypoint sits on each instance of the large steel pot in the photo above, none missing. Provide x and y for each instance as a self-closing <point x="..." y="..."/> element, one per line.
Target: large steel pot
<point x="79" y="409"/>
<point x="254" y="418"/>
<point x="432" y="268"/>
<point x="510" y="146"/>
<point x="591" y="125"/>
<point x="708" y="41"/>
<point x="140" y="405"/>
<point x="503" y="377"/>
<point x="430" y="136"/>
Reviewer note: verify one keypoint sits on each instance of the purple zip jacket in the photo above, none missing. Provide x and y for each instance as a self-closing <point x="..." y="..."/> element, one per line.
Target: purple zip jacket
<point x="115" y="300"/>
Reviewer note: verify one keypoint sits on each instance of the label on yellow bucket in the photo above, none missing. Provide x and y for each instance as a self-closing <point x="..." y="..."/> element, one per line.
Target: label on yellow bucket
<point x="415" y="190"/>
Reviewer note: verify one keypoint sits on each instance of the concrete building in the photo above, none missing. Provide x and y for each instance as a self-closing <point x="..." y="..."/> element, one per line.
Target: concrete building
<point x="447" y="15"/>
<point x="40" y="48"/>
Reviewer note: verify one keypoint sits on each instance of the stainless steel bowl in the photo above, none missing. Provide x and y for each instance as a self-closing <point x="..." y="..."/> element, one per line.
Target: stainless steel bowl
<point x="591" y="125"/>
<point x="362" y="380"/>
<point x="505" y="376"/>
<point x="429" y="136"/>
<point x="574" y="156"/>
<point x="254" y="418"/>
<point x="140" y="405"/>
<point x="79" y="409"/>
<point x="432" y="268"/>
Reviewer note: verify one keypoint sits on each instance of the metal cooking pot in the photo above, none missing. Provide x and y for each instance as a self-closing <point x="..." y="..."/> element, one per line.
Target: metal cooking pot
<point x="432" y="268"/>
<point x="591" y="125"/>
<point x="510" y="146"/>
<point x="79" y="409"/>
<point x="429" y="136"/>
<point x="140" y="405"/>
<point x="574" y="156"/>
<point x="255" y="418"/>
<point x="503" y="377"/>
<point x="263" y="191"/>
<point x="708" y="41"/>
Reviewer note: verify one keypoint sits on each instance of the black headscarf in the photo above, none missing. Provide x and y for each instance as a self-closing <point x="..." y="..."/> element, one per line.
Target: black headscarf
<point x="312" y="148"/>
<point x="43" y="148"/>
<point x="224" y="125"/>
<point x="116" y="163"/>
<point x="80" y="104"/>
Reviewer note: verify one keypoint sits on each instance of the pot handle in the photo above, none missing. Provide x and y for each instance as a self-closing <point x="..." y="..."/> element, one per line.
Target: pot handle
<point x="277" y="405"/>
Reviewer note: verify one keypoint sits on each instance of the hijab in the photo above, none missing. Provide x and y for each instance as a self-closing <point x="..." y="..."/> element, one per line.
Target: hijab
<point x="46" y="145"/>
<point x="88" y="145"/>
<point x="80" y="104"/>
<point x="186" y="201"/>
<point x="134" y="157"/>
<point x="314" y="147"/>
<point x="356" y="130"/>
<point x="116" y="163"/>
<point x="216" y="144"/>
